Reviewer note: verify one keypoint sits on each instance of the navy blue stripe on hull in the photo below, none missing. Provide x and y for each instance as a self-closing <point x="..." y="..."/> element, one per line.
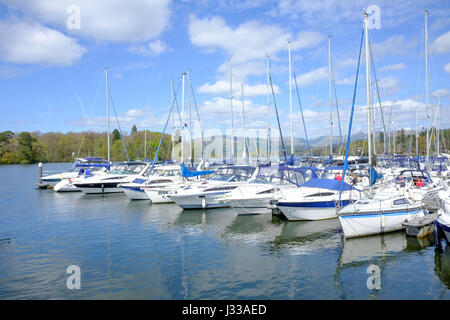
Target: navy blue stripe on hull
<point x="322" y="204"/>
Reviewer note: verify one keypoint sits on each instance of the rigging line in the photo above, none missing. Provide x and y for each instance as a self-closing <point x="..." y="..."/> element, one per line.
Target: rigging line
<point x="351" y="119"/>
<point x="92" y="110"/>
<point x="160" y="141"/>
<point x="120" y="130"/>
<point x="337" y="108"/>
<point x="278" y="119"/>
<point x="198" y="117"/>
<point x="301" y="112"/>
<point x="175" y="101"/>
<point x="378" y="91"/>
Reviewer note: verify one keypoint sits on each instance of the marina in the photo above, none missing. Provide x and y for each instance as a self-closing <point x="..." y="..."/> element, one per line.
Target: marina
<point x="233" y="198"/>
<point x="135" y="250"/>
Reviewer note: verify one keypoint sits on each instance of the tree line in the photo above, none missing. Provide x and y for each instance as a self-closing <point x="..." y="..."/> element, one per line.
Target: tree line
<point x="32" y="147"/>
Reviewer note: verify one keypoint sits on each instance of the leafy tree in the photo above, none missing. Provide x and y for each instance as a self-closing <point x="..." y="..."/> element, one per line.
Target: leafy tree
<point x="116" y="135"/>
<point x="133" y="129"/>
<point x="26" y="147"/>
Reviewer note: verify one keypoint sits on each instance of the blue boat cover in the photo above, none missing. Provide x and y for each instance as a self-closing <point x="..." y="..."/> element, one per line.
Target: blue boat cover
<point x="188" y="174"/>
<point x="330" y="184"/>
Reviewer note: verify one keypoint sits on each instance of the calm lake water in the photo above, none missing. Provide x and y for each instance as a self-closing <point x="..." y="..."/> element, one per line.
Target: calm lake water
<point x="134" y="250"/>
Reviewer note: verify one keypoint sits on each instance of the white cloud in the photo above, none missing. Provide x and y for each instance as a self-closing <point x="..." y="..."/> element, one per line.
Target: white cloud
<point x="151" y="49"/>
<point x="223" y="87"/>
<point x="347" y="63"/>
<point x="442" y="43"/>
<point x="219" y="108"/>
<point x="447" y="68"/>
<point x="313" y="76"/>
<point x="389" y="85"/>
<point x="27" y="42"/>
<point x="392" y="67"/>
<point x="348" y="80"/>
<point x="394" y="45"/>
<point x="441" y="93"/>
<point x="111" y="21"/>
<point x="248" y="41"/>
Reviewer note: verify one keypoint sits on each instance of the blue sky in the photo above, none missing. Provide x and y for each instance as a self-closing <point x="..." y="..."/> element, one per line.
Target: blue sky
<point x="52" y="75"/>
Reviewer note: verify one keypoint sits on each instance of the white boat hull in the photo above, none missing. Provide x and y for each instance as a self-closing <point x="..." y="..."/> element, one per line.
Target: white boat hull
<point x="306" y="213"/>
<point x="250" y="206"/>
<point x="65" y="185"/>
<point x="368" y="224"/>
<point x="203" y="201"/>
<point x="135" y="193"/>
<point x="158" y="196"/>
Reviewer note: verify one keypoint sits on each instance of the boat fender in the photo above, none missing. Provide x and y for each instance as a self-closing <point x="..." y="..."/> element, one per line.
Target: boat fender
<point x="103" y="188"/>
<point x="203" y="203"/>
<point x="437" y="235"/>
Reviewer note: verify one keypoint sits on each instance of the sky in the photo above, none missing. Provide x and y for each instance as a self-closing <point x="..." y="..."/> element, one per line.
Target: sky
<point x="53" y="54"/>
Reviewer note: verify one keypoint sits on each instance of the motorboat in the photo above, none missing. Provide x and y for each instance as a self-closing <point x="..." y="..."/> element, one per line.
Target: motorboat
<point x="160" y="176"/>
<point x="206" y="193"/>
<point x="254" y="197"/>
<point x="79" y="166"/>
<point x="109" y="182"/>
<point x="316" y="199"/>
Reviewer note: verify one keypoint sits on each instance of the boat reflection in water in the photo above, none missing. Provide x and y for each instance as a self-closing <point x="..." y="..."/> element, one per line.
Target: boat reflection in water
<point x="303" y="237"/>
<point x="442" y="265"/>
<point x="372" y="247"/>
<point x="202" y="221"/>
<point x="252" y="229"/>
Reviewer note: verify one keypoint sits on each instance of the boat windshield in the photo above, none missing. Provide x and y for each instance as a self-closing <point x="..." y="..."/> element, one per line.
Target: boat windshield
<point x="232" y="174"/>
<point x="123" y="168"/>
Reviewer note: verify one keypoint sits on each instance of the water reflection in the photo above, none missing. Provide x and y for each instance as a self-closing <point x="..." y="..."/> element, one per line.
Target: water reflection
<point x="303" y="237"/>
<point x="442" y="265"/>
<point x="252" y="229"/>
<point x="372" y="247"/>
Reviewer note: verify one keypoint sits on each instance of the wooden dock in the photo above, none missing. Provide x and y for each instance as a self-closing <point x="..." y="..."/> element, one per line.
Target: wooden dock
<point x="420" y="227"/>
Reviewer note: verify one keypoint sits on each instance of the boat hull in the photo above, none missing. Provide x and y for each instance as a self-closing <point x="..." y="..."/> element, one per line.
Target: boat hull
<point x="99" y="188"/>
<point x="65" y="185"/>
<point x="309" y="210"/>
<point x="203" y="201"/>
<point x="250" y="206"/>
<point x="135" y="193"/>
<point x="365" y="224"/>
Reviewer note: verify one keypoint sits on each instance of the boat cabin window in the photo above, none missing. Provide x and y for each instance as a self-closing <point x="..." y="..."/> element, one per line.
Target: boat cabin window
<point x="322" y="194"/>
<point x="220" y="188"/>
<point x="401" y="201"/>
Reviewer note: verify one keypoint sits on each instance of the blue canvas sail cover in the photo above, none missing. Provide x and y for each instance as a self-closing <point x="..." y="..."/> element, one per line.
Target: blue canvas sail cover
<point x="372" y="175"/>
<point x="330" y="184"/>
<point x="188" y="174"/>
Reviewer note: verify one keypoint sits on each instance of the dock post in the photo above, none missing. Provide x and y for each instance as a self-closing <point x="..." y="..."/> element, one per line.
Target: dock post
<point x="40" y="173"/>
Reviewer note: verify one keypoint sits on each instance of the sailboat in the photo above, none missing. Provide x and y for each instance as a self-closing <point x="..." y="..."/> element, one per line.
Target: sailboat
<point x="382" y="212"/>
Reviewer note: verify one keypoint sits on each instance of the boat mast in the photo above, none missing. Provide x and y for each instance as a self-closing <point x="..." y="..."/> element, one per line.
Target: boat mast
<point x="191" y="159"/>
<point x="182" y="117"/>
<point x="107" y="111"/>
<point x="268" y="108"/>
<point x="173" y="119"/>
<point x="145" y="145"/>
<point x="369" y="120"/>
<point x="330" y="98"/>
<point x="426" y="84"/>
<point x="290" y="98"/>
<point x="231" y="109"/>
<point x="417" y="136"/>
<point x="438" y="125"/>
